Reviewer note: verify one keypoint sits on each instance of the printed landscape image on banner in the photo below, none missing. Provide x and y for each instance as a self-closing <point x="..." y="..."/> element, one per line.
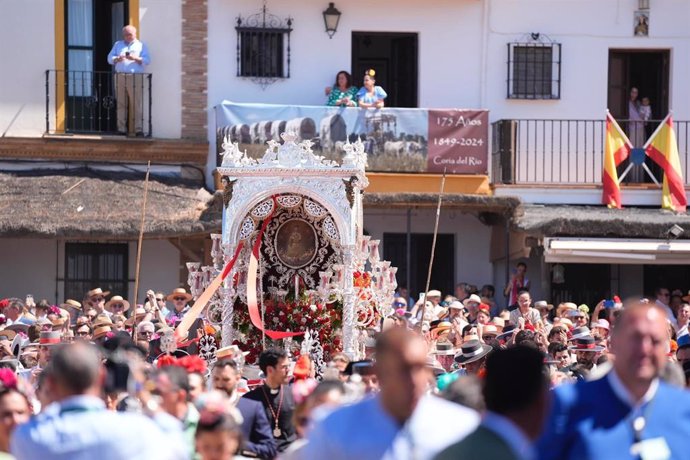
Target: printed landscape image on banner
<point x="396" y="140"/>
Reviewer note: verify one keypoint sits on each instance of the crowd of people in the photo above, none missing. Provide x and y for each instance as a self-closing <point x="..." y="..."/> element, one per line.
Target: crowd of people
<point x="446" y="378"/>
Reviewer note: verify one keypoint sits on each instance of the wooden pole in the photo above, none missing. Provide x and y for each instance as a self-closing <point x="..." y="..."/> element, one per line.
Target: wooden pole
<point x="433" y="244"/>
<point x="139" y="244"/>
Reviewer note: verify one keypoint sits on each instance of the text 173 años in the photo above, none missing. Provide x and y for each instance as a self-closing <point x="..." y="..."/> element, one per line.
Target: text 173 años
<point x="462" y="141"/>
<point x="457" y="121"/>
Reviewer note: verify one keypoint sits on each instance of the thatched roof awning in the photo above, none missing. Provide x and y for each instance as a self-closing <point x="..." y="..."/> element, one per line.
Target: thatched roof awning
<point x="89" y="204"/>
<point x="463" y="202"/>
<point x="598" y="221"/>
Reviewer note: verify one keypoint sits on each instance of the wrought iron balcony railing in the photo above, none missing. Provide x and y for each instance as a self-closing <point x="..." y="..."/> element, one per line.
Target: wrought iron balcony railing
<point x="82" y="102"/>
<point x="569" y="152"/>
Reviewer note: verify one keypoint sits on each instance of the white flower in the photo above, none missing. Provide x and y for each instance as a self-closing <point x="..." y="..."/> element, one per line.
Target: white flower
<point x="312" y="307"/>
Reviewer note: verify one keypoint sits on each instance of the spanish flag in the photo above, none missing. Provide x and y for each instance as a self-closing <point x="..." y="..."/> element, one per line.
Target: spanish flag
<point x="616" y="150"/>
<point x="663" y="149"/>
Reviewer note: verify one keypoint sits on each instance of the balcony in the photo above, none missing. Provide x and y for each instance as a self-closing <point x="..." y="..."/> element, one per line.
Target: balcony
<point x="81" y="102"/>
<point x="81" y="126"/>
<point x="565" y="152"/>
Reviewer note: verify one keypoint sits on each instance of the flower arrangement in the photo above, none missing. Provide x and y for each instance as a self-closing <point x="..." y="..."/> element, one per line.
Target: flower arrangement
<point x="324" y="319"/>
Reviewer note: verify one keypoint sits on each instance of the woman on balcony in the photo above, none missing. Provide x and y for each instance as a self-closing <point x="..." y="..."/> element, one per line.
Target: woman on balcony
<point x="636" y="121"/>
<point x="343" y="93"/>
<point x="371" y="96"/>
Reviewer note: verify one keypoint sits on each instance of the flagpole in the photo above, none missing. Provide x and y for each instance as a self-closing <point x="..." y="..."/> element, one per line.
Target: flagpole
<point x="433" y="244"/>
<point x="141" y="239"/>
<point x="656" y="131"/>
<point x="617" y="127"/>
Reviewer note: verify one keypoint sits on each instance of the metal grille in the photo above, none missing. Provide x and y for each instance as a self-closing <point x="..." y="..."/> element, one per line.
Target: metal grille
<point x="261" y="53"/>
<point x="534" y="71"/>
<point x="91" y="265"/>
<point x="263" y="47"/>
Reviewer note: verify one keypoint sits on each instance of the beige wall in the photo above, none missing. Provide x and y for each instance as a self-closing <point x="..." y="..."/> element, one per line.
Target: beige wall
<point x="33" y="266"/>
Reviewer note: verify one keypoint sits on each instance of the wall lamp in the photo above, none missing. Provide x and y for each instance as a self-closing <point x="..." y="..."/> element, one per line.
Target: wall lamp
<point x="331" y="17"/>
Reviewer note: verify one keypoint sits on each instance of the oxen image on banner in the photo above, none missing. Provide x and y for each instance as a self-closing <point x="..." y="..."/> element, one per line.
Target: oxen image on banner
<point x="396" y="140"/>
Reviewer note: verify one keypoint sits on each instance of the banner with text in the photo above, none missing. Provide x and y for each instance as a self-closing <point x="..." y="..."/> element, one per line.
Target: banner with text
<point x="396" y="140"/>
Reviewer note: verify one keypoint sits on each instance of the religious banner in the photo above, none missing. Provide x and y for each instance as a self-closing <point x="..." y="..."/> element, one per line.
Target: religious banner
<point x="395" y="139"/>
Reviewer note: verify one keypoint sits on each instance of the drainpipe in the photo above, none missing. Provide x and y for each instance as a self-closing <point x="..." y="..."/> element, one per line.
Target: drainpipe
<point x="486" y="12"/>
<point x="408" y="259"/>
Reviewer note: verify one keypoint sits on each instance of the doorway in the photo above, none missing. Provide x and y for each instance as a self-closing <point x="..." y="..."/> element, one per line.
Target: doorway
<point x="443" y="275"/>
<point x="91" y="29"/>
<point x="583" y="283"/>
<point x="394" y="58"/>
<point x="648" y="71"/>
<point x="668" y="276"/>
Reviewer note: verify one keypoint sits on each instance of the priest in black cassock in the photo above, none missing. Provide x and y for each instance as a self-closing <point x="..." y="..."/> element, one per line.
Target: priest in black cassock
<point x="276" y="396"/>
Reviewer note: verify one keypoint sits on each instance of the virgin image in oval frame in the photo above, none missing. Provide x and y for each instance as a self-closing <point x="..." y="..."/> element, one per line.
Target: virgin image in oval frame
<point x="296" y="243"/>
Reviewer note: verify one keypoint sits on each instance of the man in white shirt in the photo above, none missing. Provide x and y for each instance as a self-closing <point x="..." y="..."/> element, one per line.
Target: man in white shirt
<point x="402" y="421"/>
<point x="663" y="297"/>
<point x="129" y="57"/>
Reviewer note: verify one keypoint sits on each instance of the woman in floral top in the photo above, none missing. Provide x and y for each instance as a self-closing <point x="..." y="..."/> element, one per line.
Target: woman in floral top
<point x="343" y="94"/>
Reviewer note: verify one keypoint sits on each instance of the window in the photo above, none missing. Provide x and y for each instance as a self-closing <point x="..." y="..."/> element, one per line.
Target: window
<point x="91" y="265"/>
<point x="395" y="250"/>
<point x="263" y="47"/>
<point x="534" y="70"/>
<point x="79" y="47"/>
<point x="261" y="54"/>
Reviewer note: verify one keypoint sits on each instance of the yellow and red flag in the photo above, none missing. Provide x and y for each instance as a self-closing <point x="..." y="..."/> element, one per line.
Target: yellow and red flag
<point x="617" y="149"/>
<point x="663" y="149"/>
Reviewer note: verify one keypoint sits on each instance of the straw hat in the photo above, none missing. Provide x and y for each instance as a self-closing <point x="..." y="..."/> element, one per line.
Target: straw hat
<point x="139" y="314"/>
<point x="97" y="291"/>
<point x="474" y="298"/>
<point x="230" y="352"/>
<point x="69" y="303"/>
<point x="7" y="334"/>
<point x="586" y="343"/>
<point x="498" y="322"/>
<point x="179" y="292"/>
<point x="101" y="331"/>
<point x="443" y="349"/>
<point x="490" y="330"/>
<point x="565" y="306"/>
<point x="50" y="338"/>
<point x="102" y="320"/>
<point x="472" y="351"/>
<point x="434" y="293"/>
<point x="117" y="299"/>
<point x="543" y="305"/>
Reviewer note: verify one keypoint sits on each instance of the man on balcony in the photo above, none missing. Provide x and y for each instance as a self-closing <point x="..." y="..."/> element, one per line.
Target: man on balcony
<point x="129" y="56"/>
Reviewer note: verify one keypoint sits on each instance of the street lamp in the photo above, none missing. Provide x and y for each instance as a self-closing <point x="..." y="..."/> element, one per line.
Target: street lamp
<point x="331" y="17"/>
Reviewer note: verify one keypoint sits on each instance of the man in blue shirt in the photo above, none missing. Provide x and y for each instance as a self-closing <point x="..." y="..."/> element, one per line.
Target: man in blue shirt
<point x="79" y="427"/>
<point x="628" y="413"/>
<point x="129" y="57"/>
<point x="401" y="422"/>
